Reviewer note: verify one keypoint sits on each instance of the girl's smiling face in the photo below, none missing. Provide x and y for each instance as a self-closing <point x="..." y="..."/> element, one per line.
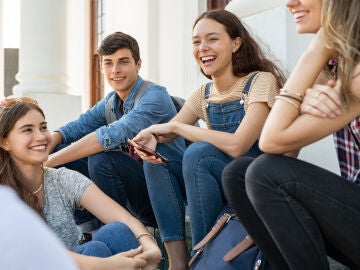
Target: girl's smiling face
<point x="28" y="141"/>
<point x="307" y="14"/>
<point x="213" y="47"/>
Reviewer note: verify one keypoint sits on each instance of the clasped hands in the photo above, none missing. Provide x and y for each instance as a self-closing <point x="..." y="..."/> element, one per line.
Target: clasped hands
<point x="323" y="100"/>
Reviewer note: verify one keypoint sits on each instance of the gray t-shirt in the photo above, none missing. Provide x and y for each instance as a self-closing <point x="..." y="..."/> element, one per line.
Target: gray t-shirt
<point x="63" y="191"/>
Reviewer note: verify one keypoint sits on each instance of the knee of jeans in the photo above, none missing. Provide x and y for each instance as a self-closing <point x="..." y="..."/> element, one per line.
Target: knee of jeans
<point x="118" y="237"/>
<point x="94" y="248"/>
<point x="196" y="151"/>
<point x="262" y="174"/>
<point x="99" y="159"/>
<point x="234" y="172"/>
<point x="108" y="230"/>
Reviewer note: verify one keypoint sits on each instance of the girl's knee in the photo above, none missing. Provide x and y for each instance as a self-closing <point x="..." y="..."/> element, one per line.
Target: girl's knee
<point x="94" y="248"/>
<point x="196" y="151"/>
<point x="110" y="229"/>
<point x="117" y="236"/>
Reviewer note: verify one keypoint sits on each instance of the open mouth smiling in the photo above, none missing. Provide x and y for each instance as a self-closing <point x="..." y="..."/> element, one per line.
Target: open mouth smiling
<point x="207" y="59"/>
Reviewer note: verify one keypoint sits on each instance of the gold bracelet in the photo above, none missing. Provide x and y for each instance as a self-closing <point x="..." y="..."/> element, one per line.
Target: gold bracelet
<point x="144" y="234"/>
<point x="297" y="106"/>
<point x="298" y="96"/>
<point x="290" y="96"/>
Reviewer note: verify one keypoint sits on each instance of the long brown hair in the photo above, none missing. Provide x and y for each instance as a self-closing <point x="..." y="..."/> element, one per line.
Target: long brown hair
<point x="9" y="173"/>
<point x="341" y="25"/>
<point x="249" y="57"/>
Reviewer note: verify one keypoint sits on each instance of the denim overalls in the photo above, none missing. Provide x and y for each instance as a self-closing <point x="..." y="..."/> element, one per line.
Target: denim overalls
<point x="203" y="164"/>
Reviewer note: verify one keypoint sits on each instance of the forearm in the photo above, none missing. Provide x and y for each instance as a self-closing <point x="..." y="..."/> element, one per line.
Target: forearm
<point x="224" y="141"/>
<point x="88" y="262"/>
<point x="84" y="147"/>
<point x="282" y="126"/>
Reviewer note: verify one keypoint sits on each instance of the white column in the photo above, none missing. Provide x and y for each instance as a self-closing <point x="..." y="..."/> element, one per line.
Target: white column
<point x="1" y="52"/>
<point x="42" y="59"/>
<point x="42" y="56"/>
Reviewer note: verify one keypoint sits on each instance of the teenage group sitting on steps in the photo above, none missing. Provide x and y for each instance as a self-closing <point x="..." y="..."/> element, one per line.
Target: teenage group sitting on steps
<point x="257" y="122"/>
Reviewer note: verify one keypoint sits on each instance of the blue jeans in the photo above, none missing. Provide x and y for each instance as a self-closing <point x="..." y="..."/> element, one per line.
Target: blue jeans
<point x="203" y="164"/>
<point x="121" y="177"/>
<point x="296" y="212"/>
<point x="109" y="240"/>
<point x="167" y="193"/>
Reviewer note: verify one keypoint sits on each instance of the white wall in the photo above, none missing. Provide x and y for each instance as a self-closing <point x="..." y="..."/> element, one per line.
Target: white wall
<point x="163" y="30"/>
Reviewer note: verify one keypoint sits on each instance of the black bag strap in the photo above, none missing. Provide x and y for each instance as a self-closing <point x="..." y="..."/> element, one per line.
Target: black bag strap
<point x="110" y="116"/>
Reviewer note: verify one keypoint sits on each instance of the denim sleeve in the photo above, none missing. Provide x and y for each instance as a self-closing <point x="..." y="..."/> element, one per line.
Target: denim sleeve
<point x="87" y="122"/>
<point x="155" y="106"/>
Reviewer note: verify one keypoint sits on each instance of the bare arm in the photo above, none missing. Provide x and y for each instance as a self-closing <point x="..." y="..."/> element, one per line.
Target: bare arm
<point x="86" y="146"/>
<point x="108" y="211"/>
<point x="233" y="144"/>
<point x="286" y="130"/>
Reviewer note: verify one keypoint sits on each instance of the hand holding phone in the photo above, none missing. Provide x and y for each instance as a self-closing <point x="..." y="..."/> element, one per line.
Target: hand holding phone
<point x="147" y="150"/>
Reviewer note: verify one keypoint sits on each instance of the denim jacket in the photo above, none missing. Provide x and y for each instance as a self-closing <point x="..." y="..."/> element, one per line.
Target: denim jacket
<point x="154" y="107"/>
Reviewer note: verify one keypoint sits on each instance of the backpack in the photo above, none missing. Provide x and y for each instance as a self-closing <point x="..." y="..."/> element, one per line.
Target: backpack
<point x="110" y="117"/>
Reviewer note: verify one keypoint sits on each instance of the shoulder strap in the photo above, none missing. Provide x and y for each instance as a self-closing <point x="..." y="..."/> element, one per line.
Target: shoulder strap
<point x="248" y="83"/>
<point x="238" y="249"/>
<point x="207" y="89"/>
<point x="109" y="115"/>
<point x="143" y="86"/>
<point x="219" y="225"/>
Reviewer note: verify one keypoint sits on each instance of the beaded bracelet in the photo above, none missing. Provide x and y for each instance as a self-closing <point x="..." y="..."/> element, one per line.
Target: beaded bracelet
<point x="297" y="106"/>
<point x="144" y="234"/>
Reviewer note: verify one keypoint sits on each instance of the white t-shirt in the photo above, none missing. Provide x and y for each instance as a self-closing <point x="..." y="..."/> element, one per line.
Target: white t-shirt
<point x="26" y="241"/>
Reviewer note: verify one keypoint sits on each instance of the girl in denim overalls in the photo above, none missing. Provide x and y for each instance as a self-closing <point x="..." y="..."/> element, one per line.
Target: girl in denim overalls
<point x="234" y="107"/>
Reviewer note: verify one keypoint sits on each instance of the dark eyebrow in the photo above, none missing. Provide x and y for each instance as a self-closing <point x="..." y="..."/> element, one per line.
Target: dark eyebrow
<point x="26" y="126"/>
<point x="208" y="34"/>
<point x="120" y="59"/>
<point x="31" y="125"/>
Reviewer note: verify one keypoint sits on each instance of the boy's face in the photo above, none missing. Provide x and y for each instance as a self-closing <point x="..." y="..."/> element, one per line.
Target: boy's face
<point x="120" y="71"/>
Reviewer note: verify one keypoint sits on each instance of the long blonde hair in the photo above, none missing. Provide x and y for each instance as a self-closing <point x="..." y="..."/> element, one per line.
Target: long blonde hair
<point x="341" y="25"/>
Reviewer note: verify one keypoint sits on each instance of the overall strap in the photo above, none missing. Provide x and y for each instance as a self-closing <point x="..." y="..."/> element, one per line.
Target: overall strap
<point x="207" y="90"/>
<point x="204" y="108"/>
<point x="248" y="83"/>
<point x="143" y="86"/>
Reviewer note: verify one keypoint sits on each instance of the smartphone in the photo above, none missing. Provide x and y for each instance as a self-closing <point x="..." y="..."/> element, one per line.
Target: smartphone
<point x="147" y="150"/>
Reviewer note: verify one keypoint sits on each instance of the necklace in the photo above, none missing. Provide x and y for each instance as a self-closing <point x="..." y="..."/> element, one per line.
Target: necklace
<point x="41" y="186"/>
<point x="36" y="191"/>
